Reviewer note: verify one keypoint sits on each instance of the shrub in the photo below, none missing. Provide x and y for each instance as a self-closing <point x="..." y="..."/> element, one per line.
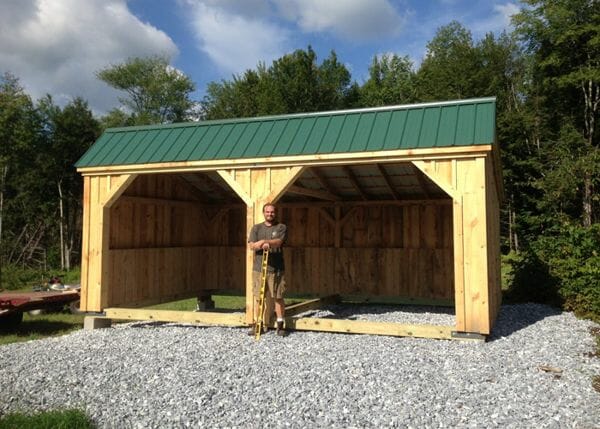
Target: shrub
<point x="562" y="268"/>
<point x="530" y="280"/>
<point x="16" y="277"/>
<point x="573" y="256"/>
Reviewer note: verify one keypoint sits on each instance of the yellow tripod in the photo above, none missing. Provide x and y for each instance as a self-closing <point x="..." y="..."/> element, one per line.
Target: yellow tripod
<point x="261" y="307"/>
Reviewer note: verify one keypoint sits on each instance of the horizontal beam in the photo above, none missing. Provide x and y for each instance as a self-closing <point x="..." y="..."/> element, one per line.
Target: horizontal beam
<point x="370" y="327"/>
<point x="376" y="203"/>
<point x="199" y="317"/>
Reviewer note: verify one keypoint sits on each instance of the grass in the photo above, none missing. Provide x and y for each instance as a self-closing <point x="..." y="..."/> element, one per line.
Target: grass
<point x="42" y="326"/>
<point x="228" y="302"/>
<point x="58" y="419"/>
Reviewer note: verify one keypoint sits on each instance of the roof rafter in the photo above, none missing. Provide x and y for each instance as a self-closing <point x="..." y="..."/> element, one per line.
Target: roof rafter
<point x="322" y="195"/>
<point x="193" y="179"/>
<point x="388" y="182"/>
<point x="323" y="181"/>
<point x="354" y="181"/>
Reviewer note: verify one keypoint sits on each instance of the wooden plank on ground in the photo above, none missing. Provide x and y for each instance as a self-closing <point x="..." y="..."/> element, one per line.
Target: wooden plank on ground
<point x="201" y="317"/>
<point x="370" y="327"/>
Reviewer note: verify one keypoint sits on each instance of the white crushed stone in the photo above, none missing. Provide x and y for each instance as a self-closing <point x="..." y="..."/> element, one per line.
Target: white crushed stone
<point x="151" y="375"/>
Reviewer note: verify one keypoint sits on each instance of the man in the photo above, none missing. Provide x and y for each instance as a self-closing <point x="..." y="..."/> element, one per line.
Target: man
<point x="271" y="235"/>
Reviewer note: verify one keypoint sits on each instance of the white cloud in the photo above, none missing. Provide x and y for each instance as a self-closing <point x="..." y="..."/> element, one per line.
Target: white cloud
<point x="497" y="22"/>
<point x="506" y="11"/>
<point x="356" y="20"/>
<point x="57" y="46"/>
<point x="236" y="39"/>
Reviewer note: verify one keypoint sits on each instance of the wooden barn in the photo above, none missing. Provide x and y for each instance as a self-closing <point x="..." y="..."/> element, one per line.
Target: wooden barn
<point x="390" y="204"/>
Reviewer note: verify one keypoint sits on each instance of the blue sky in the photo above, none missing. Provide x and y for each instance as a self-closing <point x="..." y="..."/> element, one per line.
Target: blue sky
<point x="56" y="46"/>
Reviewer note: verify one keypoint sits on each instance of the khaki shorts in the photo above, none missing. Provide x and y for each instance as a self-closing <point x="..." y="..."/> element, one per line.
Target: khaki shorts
<point x="275" y="285"/>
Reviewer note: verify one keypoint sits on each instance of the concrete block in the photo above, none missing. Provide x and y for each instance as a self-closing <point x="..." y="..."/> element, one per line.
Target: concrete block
<point x="93" y="322"/>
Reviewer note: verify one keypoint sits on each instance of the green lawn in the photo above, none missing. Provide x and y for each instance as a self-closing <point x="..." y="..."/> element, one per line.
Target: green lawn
<point x="65" y="419"/>
<point x="41" y="326"/>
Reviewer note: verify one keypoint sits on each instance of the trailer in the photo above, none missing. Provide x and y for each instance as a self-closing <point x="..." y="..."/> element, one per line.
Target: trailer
<point x="14" y="304"/>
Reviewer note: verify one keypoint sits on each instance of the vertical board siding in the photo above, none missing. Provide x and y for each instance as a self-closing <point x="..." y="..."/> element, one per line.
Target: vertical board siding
<point x="158" y="250"/>
<point x="385" y="251"/>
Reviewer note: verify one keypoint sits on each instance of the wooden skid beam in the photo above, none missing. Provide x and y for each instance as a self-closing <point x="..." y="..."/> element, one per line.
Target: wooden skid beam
<point x="200" y="317"/>
<point x="311" y="304"/>
<point x="370" y="327"/>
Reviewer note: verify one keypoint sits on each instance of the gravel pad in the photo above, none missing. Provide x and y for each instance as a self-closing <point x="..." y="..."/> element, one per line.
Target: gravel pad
<point x="534" y="371"/>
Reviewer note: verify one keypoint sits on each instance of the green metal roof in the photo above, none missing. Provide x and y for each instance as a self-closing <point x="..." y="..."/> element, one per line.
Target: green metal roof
<point x="428" y="125"/>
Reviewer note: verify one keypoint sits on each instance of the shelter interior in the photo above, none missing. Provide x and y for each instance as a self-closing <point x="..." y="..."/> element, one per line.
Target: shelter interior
<point x="366" y="230"/>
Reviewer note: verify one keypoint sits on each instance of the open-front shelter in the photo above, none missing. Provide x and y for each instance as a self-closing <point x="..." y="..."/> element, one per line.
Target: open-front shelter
<point x="398" y="202"/>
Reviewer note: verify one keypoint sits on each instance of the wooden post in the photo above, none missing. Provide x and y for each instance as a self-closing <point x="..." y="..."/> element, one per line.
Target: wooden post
<point x="100" y="192"/>
<point x="257" y="187"/>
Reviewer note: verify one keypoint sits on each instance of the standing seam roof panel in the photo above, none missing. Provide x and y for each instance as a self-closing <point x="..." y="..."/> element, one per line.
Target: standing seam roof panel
<point x="230" y="142"/>
<point x="363" y="131"/>
<point x="447" y="131"/>
<point x="106" y="149"/>
<point x="218" y="141"/>
<point x="195" y="140"/>
<point x="379" y="131"/>
<point x="393" y="139"/>
<point x="347" y="133"/>
<point x="90" y="153"/>
<point x="258" y="140"/>
<point x="484" y="115"/>
<point x="429" y="128"/>
<point x="153" y="150"/>
<point x="315" y="140"/>
<point x="204" y="144"/>
<point x="301" y="137"/>
<point x="140" y="148"/>
<point x="464" y="124"/>
<point x="412" y="130"/>
<point x="245" y="139"/>
<point x="134" y="146"/>
<point x="114" y="155"/>
<point x="273" y="138"/>
<point x="427" y="125"/>
<point x="289" y="134"/>
<point x="184" y="138"/>
<point x="333" y="131"/>
<point x="169" y="142"/>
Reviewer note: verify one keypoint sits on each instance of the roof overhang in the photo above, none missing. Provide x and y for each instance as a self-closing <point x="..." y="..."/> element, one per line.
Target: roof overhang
<point x="297" y="160"/>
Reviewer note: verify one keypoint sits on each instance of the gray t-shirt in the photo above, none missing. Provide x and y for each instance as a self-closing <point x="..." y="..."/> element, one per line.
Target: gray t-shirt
<point x="260" y="231"/>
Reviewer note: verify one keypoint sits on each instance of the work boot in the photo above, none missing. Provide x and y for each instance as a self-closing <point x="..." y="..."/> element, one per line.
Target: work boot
<point x="280" y="331"/>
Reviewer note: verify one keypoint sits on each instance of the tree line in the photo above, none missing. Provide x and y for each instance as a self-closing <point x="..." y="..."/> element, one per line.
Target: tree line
<point x="545" y="75"/>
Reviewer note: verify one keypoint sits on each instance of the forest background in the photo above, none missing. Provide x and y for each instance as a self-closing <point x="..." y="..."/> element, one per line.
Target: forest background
<point x="545" y="75"/>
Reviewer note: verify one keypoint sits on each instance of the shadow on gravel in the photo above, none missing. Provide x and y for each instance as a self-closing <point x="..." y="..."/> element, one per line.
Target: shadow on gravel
<point x="514" y="317"/>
